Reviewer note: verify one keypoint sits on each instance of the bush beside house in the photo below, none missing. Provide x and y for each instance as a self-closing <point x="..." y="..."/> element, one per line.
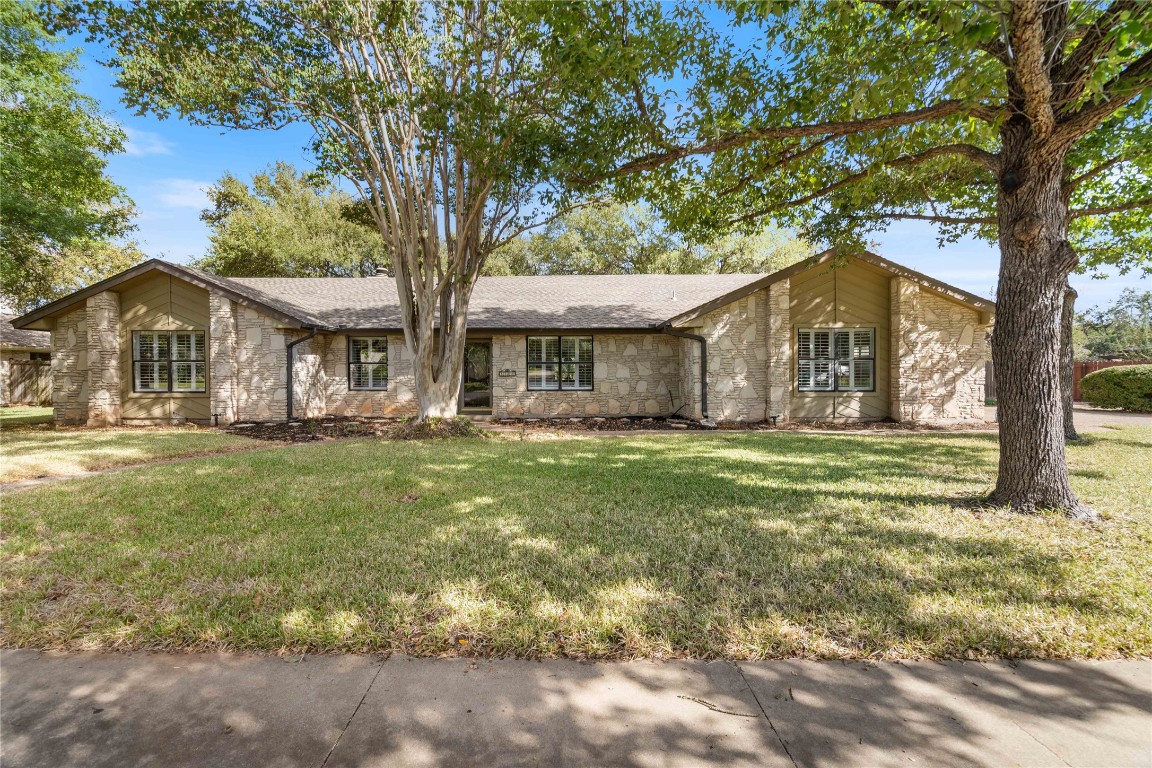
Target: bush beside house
<point x="1128" y="387"/>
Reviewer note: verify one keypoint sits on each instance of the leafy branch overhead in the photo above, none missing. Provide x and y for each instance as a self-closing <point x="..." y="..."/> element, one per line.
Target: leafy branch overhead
<point x="844" y="117"/>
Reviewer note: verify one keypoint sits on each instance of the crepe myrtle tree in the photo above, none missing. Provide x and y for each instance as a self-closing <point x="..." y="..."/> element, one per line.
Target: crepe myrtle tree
<point x="452" y="118"/>
<point x="1025" y="122"/>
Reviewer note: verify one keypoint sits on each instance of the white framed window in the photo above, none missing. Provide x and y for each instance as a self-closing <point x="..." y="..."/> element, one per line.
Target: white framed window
<point x="560" y="363"/>
<point x="168" y="361"/>
<point x="368" y="362"/>
<point x="836" y="360"/>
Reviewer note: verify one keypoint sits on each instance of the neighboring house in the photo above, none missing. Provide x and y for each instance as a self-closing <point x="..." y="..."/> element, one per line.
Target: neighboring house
<point x="25" y="365"/>
<point x="831" y="338"/>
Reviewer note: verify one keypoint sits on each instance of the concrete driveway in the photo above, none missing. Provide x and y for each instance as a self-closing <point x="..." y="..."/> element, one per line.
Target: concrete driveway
<point x="144" y="710"/>
<point x="1089" y="419"/>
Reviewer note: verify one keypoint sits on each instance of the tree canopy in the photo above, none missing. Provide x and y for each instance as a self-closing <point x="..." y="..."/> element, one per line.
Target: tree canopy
<point x="287" y="224"/>
<point x="57" y="204"/>
<point x="622" y="239"/>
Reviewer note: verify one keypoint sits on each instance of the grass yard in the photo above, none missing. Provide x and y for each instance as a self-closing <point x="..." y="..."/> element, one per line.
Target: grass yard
<point x="706" y="545"/>
<point x="24" y="415"/>
<point x="32" y="453"/>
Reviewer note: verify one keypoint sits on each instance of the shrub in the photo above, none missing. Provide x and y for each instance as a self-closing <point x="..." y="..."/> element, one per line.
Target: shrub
<point x="411" y="429"/>
<point x="1124" y="386"/>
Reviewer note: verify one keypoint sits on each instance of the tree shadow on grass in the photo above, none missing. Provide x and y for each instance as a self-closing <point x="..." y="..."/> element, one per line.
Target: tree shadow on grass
<point x="742" y="546"/>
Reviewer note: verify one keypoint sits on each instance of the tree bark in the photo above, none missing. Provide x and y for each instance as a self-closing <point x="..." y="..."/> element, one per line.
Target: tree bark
<point x="1067" y="361"/>
<point x="1035" y="261"/>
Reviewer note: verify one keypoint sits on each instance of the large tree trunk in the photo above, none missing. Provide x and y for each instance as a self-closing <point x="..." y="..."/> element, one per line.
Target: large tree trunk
<point x="1067" y="361"/>
<point x="1035" y="261"/>
<point x="438" y="357"/>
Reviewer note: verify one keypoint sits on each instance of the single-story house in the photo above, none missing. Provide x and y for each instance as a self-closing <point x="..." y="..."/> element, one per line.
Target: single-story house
<point x="831" y="338"/>
<point x="24" y="358"/>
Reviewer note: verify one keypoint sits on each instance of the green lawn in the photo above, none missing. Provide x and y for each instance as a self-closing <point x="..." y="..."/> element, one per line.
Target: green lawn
<point x="31" y="453"/>
<point x="24" y="415"/>
<point x="706" y="545"/>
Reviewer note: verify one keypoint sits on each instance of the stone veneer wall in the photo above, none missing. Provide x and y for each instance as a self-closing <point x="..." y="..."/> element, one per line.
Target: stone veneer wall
<point x="103" y="330"/>
<point x="222" y="372"/>
<point x="952" y="354"/>
<point x="398" y="400"/>
<point x="779" y="344"/>
<point x="938" y="357"/>
<point x="261" y="367"/>
<point x="632" y="374"/>
<point x="70" y="368"/>
<point x="737" y="360"/>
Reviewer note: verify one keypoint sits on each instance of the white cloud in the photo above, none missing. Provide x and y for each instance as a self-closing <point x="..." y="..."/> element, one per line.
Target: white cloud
<point x="142" y="143"/>
<point x="183" y="193"/>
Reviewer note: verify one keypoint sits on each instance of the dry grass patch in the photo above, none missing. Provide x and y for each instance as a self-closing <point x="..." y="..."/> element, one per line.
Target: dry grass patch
<point x="45" y="452"/>
<point x="720" y="545"/>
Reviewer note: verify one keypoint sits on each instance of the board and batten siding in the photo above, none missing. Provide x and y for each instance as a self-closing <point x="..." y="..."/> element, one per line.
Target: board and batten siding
<point x="855" y="295"/>
<point x="159" y="302"/>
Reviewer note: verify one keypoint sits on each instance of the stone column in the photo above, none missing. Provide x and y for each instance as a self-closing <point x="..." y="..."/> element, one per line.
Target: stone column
<point x="780" y="350"/>
<point x="904" y="372"/>
<point x="103" y="321"/>
<point x="222" y="358"/>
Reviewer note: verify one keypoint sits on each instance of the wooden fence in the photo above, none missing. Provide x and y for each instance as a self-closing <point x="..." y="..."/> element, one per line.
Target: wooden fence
<point x="30" y="382"/>
<point x="1079" y="371"/>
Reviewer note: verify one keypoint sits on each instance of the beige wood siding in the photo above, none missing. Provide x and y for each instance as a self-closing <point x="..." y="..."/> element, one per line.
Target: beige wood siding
<point x="855" y="295"/>
<point x="159" y="302"/>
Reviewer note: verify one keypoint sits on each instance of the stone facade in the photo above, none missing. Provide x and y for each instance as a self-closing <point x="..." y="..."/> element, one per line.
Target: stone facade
<point x="103" y="329"/>
<point x="779" y="342"/>
<point x="938" y="357"/>
<point x="632" y="374"/>
<point x="70" y="368"/>
<point x="261" y="367"/>
<point x="737" y="359"/>
<point x="398" y="400"/>
<point x="222" y="369"/>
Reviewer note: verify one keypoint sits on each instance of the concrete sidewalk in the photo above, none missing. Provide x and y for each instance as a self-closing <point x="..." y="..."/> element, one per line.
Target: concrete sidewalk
<point x="337" y="711"/>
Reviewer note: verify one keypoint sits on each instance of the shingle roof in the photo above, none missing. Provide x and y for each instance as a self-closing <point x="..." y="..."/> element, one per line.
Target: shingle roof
<point x="538" y="302"/>
<point x="12" y="338"/>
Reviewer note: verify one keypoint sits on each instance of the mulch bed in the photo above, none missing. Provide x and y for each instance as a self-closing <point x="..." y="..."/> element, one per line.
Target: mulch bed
<point x="342" y="427"/>
<point x="315" y="430"/>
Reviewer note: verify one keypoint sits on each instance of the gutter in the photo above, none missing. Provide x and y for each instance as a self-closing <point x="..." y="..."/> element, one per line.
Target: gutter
<point x="703" y="342"/>
<point x="291" y="347"/>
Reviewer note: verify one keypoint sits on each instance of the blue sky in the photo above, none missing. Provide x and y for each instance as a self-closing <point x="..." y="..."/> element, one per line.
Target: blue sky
<point x="168" y="163"/>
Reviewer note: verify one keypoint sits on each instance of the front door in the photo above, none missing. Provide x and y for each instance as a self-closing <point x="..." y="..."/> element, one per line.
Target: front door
<point x="476" y="383"/>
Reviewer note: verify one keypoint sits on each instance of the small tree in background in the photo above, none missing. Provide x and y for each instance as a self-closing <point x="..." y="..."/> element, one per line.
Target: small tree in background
<point x="1120" y="331"/>
<point x="622" y="239"/>
<point x="286" y="224"/>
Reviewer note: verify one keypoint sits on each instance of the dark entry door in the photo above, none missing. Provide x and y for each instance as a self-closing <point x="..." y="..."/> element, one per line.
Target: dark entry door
<point x="476" y="383"/>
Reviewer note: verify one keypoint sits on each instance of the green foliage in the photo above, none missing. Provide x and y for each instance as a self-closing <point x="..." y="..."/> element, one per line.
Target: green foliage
<point x="1121" y="331"/>
<point x="52" y="272"/>
<point x="286" y="224"/>
<point x="55" y="199"/>
<point x="1124" y="386"/>
<point x="630" y="240"/>
<point x="726" y="158"/>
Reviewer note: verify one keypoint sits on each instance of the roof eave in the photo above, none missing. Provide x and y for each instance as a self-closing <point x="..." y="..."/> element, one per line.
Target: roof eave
<point x="951" y="291"/>
<point x="25" y="321"/>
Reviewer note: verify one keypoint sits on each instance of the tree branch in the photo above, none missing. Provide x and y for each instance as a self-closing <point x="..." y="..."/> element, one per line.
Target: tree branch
<point x="1092" y="173"/>
<point x="1125" y="87"/>
<point x="977" y="155"/>
<point x="1031" y="73"/>
<point x="841" y="128"/>
<point x="1073" y="75"/>
<point x="974" y="220"/>
<point x="1106" y="210"/>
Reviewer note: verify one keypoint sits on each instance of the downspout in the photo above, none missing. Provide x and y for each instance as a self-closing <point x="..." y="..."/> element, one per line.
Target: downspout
<point x="703" y="342"/>
<point x="292" y="359"/>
